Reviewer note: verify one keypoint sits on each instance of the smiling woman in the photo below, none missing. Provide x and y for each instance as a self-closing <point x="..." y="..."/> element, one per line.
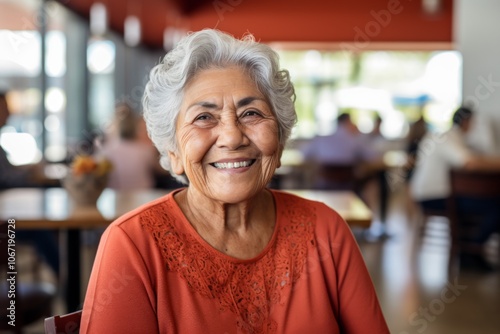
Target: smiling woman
<point x="225" y="254"/>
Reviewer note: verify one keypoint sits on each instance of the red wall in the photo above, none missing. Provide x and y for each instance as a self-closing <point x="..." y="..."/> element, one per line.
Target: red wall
<point x="327" y="21"/>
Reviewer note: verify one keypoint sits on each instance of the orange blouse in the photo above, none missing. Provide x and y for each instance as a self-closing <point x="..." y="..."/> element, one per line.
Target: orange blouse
<point x="154" y="274"/>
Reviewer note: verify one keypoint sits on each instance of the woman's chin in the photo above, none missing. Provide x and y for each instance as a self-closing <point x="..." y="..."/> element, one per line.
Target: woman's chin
<point x="233" y="193"/>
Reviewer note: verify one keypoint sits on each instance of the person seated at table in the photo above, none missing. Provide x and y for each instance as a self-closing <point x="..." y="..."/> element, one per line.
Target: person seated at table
<point x="226" y="254"/>
<point x="376" y="140"/>
<point x="430" y="184"/>
<point x="377" y="127"/>
<point x="417" y="131"/>
<point x="133" y="157"/>
<point x="345" y="146"/>
<point x="11" y="176"/>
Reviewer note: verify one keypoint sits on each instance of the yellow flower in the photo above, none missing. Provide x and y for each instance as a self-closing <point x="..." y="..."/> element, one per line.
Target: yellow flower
<point x="103" y="167"/>
<point x="85" y="164"/>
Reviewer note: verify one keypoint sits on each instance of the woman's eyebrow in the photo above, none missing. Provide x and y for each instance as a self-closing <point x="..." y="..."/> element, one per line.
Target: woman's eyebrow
<point x="241" y="103"/>
<point x="248" y="100"/>
<point x="204" y="104"/>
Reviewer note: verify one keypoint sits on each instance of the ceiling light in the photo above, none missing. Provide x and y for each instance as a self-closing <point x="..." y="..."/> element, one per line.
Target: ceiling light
<point x="431" y="7"/>
<point x="98" y="19"/>
<point x="132" y="31"/>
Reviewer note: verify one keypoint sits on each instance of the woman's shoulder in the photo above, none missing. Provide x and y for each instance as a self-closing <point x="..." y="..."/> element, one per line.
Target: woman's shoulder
<point x="148" y="215"/>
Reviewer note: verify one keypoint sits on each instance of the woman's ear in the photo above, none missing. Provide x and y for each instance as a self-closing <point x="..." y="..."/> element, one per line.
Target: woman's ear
<point x="282" y="148"/>
<point x="176" y="163"/>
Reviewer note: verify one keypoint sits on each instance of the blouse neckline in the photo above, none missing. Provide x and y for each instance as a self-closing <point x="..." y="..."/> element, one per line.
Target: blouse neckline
<point x="189" y="228"/>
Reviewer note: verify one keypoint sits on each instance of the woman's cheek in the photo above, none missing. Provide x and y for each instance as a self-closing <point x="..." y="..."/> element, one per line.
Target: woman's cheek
<point x="197" y="146"/>
<point x="268" y="141"/>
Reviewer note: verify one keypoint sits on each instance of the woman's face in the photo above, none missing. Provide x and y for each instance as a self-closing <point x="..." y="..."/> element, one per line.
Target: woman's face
<point x="227" y="136"/>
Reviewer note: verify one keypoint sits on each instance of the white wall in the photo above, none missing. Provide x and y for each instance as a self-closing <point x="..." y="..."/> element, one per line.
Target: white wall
<point x="477" y="36"/>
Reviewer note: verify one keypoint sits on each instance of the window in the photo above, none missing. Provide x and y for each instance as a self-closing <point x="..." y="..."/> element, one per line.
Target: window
<point x="397" y="85"/>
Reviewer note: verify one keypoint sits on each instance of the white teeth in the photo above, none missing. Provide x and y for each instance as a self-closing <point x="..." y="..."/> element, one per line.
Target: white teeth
<point x="225" y="165"/>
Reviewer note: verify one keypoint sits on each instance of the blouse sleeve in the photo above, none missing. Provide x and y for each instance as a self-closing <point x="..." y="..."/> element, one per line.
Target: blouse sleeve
<point x="119" y="297"/>
<point x="358" y="306"/>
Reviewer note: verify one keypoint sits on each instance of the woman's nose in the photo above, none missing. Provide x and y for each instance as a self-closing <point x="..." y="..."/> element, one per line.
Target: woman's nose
<point x="231" y="135"/>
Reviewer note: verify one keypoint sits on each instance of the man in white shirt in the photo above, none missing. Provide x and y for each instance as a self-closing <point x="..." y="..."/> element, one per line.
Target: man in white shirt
<point x="430" y="184"/>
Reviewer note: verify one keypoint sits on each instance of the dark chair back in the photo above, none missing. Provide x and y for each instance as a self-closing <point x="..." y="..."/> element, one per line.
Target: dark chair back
<point x="475" y="183"/>
<point x="338" y="176"/>
<point x="469" y="184"/>
<point x="64" y="324"/>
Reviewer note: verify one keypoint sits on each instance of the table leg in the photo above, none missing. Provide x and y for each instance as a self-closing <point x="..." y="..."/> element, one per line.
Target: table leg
<point x="73" y="265"/>
<point x="379" y="231"/>
<point x="384" y="196"/>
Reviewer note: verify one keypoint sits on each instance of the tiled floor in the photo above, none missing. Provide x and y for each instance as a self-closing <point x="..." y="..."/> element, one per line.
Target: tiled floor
<point x="410" y="276"/>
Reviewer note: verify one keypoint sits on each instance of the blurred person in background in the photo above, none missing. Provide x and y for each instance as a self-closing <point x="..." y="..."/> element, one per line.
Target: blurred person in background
<point x="377" y="125"/>
<point x="430" y="184"/>
<point x="134" y="158"/>
<point x="376" y="139"/>
<point x="417" y="131"/>
<point x="345" y="146"/>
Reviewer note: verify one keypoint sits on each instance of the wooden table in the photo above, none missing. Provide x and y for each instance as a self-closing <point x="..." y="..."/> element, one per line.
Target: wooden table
<point x="53" y="209"/>
<point x="346" y="203"/>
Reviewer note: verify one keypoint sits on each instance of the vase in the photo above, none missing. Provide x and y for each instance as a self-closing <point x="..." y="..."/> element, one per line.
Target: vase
<point x="85" y="190"/>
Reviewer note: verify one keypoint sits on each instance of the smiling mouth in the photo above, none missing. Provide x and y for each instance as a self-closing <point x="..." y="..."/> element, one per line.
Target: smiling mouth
<point x="231" y="165"/>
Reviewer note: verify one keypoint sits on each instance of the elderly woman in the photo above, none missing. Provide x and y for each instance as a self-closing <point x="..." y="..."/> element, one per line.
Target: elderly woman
<point x="225" y="254"/>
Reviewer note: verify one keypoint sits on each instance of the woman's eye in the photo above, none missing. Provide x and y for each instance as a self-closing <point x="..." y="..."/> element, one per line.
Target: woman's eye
<point x="204" y="120"/>
<point x="251" y="113"/>
<point x="202" y="117"/>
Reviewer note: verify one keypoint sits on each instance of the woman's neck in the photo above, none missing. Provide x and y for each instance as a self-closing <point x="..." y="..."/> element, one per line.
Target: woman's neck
<point x="241" y="230"/>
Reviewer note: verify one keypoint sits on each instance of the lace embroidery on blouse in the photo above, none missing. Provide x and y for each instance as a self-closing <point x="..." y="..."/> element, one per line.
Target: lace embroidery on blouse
<point x="249" y="289"/>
